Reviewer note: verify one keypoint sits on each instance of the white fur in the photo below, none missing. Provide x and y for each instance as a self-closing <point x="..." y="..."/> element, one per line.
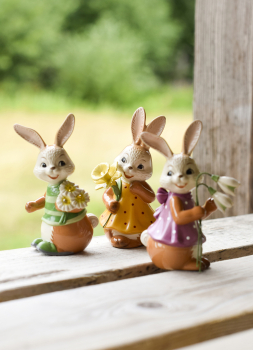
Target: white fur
<point x="46" y="232"/>
<point x="195" y="251"/>
<point x="177" y="166"/>
<point x="144" y="238"/>
<point x="52" y="156"/>
<point x="93" y="220"/>
<point x="180" y="171"/>
<point x="135" y="156"/>
<point x="133" y="236"/>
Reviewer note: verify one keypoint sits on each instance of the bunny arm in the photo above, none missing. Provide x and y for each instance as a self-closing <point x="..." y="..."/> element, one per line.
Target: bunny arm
<point x="39" y="203"/>
<point x="108" y="198"/>
<point x="210" y="207"/>
<point x="183" y="217"/>
<point x="72" y="211"/>
<point x="143" y="190"/>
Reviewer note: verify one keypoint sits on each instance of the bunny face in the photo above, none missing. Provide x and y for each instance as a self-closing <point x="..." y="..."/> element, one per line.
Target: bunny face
<point x="53" y="165"/>
<point x="135" y="164"/>
<point x="180" y="171"/>
<point x="179" y="174"/>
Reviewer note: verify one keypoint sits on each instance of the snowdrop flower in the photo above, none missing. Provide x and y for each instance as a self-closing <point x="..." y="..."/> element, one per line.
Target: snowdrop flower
<point x="221" y="200"/>
<point x="227" y="184"/>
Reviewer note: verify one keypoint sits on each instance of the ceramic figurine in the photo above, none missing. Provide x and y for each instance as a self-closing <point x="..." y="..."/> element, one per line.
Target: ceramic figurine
<point x="172" y="240"/>
<point x="66" y="227"/>
<point x="128" y="212"/>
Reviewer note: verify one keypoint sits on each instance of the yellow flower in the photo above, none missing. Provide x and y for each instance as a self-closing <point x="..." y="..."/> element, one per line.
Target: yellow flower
<point x="105" y="175"/>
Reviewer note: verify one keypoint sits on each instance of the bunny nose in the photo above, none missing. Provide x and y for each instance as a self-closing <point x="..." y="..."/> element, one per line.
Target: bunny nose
<point x="130" y="167"/>
<point x="52" y="167"/>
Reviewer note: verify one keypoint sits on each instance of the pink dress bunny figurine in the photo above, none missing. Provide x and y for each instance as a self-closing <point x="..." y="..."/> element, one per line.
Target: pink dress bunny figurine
<point x="66" y="227"/>
<point x="172" y="240"/>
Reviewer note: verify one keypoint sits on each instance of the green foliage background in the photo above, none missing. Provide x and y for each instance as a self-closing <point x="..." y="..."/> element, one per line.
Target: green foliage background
<point x="100" y="59"/>
<point x="113" y="51"/>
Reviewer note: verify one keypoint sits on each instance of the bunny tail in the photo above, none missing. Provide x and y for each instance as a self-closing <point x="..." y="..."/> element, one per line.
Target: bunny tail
<point x="93" y="220"/>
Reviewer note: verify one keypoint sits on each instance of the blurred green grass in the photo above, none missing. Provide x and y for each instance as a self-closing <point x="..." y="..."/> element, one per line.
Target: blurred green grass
<point x="101" y="132"/>
<point x="171" y="98"/>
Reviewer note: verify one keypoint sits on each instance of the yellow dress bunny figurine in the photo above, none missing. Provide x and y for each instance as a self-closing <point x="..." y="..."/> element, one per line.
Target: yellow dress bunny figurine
<point x="129" y="212"/>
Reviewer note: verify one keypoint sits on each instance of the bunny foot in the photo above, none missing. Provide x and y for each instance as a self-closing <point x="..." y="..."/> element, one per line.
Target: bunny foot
<point x="192" y="265"/>
<point x="206" y="261"/>
<point x="49" y="248"/>
<point x="124" y="242"/>
<point x="36" y="242"/>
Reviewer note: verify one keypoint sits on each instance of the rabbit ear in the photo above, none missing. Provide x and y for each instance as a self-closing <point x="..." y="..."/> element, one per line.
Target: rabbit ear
<point x="65" y="130"/>
<point x="191" y="137"/>
<point x="156" y="126"/>
<point x="30" y="135"/>
<point x="138" y="124"/>
<point x="157" y="143"/>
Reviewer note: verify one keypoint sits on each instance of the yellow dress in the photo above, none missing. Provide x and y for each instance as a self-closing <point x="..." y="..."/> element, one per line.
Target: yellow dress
<point x="134" y="215"/>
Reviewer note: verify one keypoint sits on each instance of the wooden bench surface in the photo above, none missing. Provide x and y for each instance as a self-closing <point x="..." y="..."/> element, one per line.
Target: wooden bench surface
<point x="165" y="310"/>
<point x="26" y="272"/>
<point x="241" y="340"/>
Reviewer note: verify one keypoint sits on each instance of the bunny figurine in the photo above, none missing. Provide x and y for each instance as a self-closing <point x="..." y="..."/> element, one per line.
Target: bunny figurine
<point x="127" y="217"/>
<point x="66" y="227"/>
<point x="172" y="240"/>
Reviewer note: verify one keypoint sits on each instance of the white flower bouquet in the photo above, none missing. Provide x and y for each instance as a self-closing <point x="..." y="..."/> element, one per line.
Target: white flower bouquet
<point x="222" y="200"/>
<point x="71" y="197"/>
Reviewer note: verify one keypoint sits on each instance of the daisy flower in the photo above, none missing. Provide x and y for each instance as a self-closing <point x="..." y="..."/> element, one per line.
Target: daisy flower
<point x="64" y="202"/>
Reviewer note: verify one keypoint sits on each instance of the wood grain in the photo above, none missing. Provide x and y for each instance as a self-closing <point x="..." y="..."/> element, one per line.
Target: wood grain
<point x="242" y="340"/>
<point x="26" y="272"/>
<point x="223" y="94"/>
<point x="163" y="311"/>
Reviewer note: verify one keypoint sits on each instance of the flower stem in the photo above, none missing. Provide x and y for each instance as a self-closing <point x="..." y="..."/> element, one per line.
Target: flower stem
<point x="116" y="191"/>
<point x="202" y="184"/>
<point x="199" y="248"/>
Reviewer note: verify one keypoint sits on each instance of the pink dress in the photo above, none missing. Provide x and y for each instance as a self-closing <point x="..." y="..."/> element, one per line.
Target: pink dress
<point x="165" y="230"/>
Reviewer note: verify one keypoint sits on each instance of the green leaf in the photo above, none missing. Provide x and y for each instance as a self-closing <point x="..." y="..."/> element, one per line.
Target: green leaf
<point x="211" y="190"/>
<point x="215" y="178"/>
<point x="116" y="191"/>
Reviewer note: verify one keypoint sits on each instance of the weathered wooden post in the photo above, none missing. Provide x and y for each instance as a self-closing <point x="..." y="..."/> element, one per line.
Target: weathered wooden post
<point x="223" y="94"/>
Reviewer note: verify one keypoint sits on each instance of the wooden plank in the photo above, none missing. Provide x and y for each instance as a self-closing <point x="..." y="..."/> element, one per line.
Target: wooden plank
<point x="223" y="94"/>
<point x="242" y="340"/>
<point x="163" y="311"/>
<point x="26" y="272"/>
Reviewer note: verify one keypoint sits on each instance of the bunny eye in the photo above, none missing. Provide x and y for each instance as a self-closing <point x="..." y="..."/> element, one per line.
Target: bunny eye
<point x="43" y="165"/>
<point x="170" y="173"/>
<point x="61" y="163"/>
<point x="140" y="166"/>
<point x="189" y="171"/>
<point x="123" y="160"/>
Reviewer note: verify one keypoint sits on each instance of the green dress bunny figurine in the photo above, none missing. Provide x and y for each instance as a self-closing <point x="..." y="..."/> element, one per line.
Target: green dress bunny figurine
<point x="66" y="227"/>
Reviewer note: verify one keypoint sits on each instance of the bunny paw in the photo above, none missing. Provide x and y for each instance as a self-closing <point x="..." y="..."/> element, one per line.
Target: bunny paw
<point x="124" y="242"/>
